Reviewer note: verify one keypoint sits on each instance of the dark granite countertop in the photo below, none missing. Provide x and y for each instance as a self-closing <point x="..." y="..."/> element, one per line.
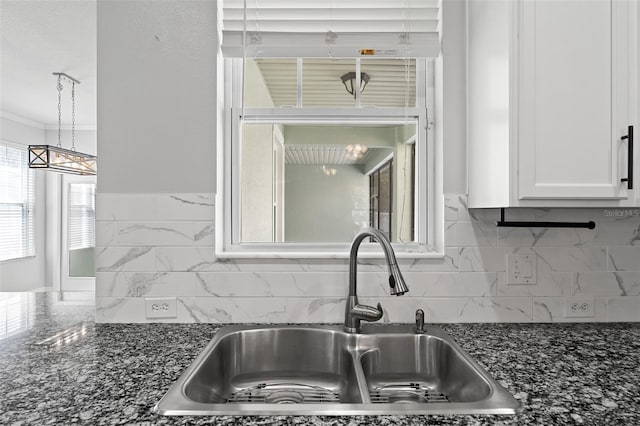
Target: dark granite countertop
<point x="113" y="374"/>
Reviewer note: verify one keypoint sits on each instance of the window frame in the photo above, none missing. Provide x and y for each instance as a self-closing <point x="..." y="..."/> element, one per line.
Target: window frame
<point x="375" y="184"/>
<point x="428" y="216"/>
<point x="28" y="208"/>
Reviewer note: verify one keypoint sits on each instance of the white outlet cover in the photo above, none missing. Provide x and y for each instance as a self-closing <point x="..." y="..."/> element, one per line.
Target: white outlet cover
<point x="579" y="307"/>
<point x="521" y="269"/>
<point x="164" y="307"/>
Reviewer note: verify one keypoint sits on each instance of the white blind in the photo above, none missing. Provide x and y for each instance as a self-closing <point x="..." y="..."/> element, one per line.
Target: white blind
<point x="323" y="28"/>
<point x="82" y="215"/>
<point x="17" y="199"/>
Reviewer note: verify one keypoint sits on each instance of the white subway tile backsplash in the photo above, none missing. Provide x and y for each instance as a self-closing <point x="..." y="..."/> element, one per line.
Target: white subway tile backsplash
<point x="287" y="265"/>
<point x="485" y="216"/>
<point x="106" y="233"/>
<point x="495" y="309"/>
<point x="162" y="245"/>
<point x="624" y="259"/>
<point x="146" y="284"/>
<point x="125" y="207"/>
<point x="623" y="309"/>
<point x="571" y="259"/>
<point x="463" y="211"/>
<point x="475" y="234"/>
<point x="246" y="309"/>
<point x="113" y="259"/>
<point x="482" y="259"/>
<point x="271" y="284"/>
<point x="196" y="207"/>
<point x="156" y="233"/>
<point x="204" y="233"/>
<point x="451" y="233"/>
<point x="536" y="237"/>
<point x="402" y="309"/>
<point x="606" y="284"/>
<point x="318" y="310"/>
<point x="547" y="284"/>
<point x="606" y="233"/>
<point x="449" y="263"/>
<point x="188" y="259"/>
<point x="133" y="310"/>
<point x="552" y="309"/>
<point x="450" y="207"/>
<point x="462" y="284"/>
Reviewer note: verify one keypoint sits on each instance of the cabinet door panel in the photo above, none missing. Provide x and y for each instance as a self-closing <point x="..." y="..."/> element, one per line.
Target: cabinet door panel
<point x="570" y="107"/>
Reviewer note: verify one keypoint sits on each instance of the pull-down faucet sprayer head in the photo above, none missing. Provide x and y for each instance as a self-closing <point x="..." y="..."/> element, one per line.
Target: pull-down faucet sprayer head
<point x="396" y="281"/>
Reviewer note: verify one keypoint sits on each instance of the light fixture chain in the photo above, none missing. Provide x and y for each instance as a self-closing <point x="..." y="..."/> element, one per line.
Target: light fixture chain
<point x="59" y="87"/>
<point x="73" y="116"/>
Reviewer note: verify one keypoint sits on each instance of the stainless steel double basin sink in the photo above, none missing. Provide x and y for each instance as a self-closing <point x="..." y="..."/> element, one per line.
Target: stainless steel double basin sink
<point x="322" y="370"/>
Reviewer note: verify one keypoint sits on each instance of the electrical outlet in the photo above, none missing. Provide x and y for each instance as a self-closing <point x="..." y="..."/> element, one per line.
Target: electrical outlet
<point x="165" y="307"/>
<point x="521" y="269"/>
<point x="579" y="307"/>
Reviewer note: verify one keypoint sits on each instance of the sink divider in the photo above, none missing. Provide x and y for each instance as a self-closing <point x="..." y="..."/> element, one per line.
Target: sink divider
<point x="363" y="387"/>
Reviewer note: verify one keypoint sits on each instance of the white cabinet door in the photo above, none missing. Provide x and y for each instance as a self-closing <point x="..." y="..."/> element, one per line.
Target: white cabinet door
<point x="573" y="99"/>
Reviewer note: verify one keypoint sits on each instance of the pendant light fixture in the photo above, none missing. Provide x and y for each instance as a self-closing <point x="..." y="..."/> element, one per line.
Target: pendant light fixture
<point x="56" y="158"/>
<point x="350" y="84"/>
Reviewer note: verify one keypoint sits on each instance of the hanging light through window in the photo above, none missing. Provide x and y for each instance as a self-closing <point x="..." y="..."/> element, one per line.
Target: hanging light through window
<point x="356" y="151"/>
<point x="349" y="81"/>
<point x="56" y="158"/>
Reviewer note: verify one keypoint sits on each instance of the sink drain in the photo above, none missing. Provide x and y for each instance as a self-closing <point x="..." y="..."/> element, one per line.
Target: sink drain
<point x="406" y="393"/>
<point x="284" y="393"/>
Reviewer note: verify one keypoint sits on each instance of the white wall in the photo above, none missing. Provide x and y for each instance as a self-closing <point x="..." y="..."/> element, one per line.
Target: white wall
<point x="26" y="274"/>
<point x="454" y="101"/>
<point x="156" y="96"/>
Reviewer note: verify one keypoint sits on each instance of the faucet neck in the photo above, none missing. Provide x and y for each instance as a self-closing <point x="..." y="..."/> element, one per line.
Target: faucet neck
<point x="353" y="256"/>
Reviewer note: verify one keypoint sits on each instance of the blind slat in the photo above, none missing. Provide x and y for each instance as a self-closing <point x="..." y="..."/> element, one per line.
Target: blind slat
<point x="404" y="28"/>
<point x="336" y="5"/>
<point x="17" y="199"/>
<point x="81" y="216"/>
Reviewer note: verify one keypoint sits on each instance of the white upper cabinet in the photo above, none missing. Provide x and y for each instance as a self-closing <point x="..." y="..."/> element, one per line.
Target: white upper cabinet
<point x="574" y="98"/>
<point x="552" y="91"/>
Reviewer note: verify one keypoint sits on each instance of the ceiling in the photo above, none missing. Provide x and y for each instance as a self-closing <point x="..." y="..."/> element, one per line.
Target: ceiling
<point x="336" y="155"/>
<point x="37" y="38"/>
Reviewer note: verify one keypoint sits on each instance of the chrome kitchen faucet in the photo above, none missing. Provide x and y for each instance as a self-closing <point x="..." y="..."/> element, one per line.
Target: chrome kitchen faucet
<point x="355" y="312"/>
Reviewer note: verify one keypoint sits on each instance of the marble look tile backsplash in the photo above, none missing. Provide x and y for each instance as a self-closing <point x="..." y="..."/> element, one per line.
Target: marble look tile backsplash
<point x="162" y="245"/>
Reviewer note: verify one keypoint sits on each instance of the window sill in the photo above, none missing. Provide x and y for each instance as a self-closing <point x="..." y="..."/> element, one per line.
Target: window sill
<point x="324" y="251"/>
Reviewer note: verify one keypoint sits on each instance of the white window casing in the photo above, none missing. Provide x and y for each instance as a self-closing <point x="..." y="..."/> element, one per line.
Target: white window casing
<point x="427" y="244"/>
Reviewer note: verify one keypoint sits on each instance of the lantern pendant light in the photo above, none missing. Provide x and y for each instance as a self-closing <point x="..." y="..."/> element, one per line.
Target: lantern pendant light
<point x="57" y="158"/>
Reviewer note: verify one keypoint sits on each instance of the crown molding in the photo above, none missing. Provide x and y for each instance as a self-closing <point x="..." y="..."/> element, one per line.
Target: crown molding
<point x="44" y="126"/>
<point x="22" y="120"/>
